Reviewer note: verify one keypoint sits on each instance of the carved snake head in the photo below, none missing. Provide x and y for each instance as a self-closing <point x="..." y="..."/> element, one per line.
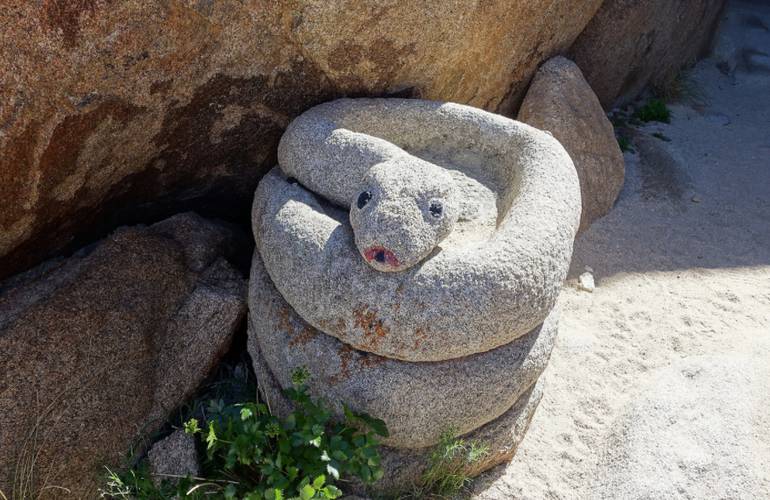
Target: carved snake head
<point x="404" y="208"/>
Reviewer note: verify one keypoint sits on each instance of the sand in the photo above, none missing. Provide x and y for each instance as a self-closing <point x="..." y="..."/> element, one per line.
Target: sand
<point x="659" y="385"/>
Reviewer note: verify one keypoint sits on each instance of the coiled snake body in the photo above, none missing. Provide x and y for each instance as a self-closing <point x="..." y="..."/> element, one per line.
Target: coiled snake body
<point x="458" y="234"/>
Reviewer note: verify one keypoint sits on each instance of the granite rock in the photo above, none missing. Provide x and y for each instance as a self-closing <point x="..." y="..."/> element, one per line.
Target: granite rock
<point x="629" y="44"/>
<point x="495" y="278"/>
<point x="560" y="101"/>
<point x="99" y="348"/>
<point x="140" y="108"/>
<point x="418" y="401"/>
<point x="174" y="457"/>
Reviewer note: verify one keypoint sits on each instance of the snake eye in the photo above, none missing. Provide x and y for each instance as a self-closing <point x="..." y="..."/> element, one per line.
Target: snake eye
<point x="436" y="209"/>
<point x="363" y="199"/>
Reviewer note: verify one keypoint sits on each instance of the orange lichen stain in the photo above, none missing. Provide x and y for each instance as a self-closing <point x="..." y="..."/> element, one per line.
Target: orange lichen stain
<point x="373" y="328"/>
<point x="299" y="336"/>
<point x="367" y="360"/>
<point x="306" y="335"/>
<point x="419" y="337"/>
<point x="346" y="354"/>
<point x="328" y="326"/>
<point x="284" y="321"/>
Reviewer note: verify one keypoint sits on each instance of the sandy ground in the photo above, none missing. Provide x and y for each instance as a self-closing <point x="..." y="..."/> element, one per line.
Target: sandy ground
<point x="659" y="386"/>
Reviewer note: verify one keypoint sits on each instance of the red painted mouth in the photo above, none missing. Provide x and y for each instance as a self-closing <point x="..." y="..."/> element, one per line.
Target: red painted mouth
<point x="381" y="255"/>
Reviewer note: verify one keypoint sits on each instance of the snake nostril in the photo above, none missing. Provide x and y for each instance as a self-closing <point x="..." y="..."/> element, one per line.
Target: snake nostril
<point x="380" y="256"/>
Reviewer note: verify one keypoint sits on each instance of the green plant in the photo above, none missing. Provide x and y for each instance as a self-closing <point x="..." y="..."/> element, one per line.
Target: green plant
<point x="447" y="473"/>
<point x="625" y="144"/>
<point x="252" y="454"/>
<point x="138" y="483"/>
<point x="654" y="110"/>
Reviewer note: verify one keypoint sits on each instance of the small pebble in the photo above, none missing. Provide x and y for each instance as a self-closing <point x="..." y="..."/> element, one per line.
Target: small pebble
<point x="586" y="282"/>
<point x="695" y="199"/>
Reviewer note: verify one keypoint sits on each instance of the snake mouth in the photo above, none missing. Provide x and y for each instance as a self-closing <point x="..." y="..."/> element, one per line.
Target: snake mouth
<point x="381" y="255"/>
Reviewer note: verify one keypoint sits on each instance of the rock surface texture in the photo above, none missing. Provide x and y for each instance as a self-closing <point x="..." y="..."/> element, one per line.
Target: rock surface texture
<point x="630" y="44"/>
<point x="454" y="341"/>
<point x="174" y="457"/>
<point x="110" y="111"/>
<point x="560" y="101"/>
<point x="100" y="347"/>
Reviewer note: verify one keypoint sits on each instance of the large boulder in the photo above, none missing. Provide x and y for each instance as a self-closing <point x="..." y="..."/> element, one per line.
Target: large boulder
<point x="135" y="108"/>
<point x="560" y="101"/>
<point x="632" y="43"/>
<point x="99" y="348"/>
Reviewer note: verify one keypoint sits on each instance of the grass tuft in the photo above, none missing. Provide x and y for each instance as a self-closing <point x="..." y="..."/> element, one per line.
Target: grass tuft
<point x="446" y="477"/>
<point x="682" y="87"/>
<point x="655" y="110"/>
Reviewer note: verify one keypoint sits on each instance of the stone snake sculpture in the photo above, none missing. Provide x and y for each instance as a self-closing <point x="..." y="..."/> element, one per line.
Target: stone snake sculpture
<point x="458" y="232"/>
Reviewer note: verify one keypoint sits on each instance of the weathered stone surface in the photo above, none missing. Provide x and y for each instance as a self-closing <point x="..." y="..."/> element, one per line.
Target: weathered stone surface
<point x="495" y="278"/>
<point x="405" y="467"/>
<point x="174" y="457"/>
<point x="560" y="101"/>
<point x="100" y="347"/>
<point x="417" y="401"/>
<point x="106" y="107"/>
<point x="629" y="44"/>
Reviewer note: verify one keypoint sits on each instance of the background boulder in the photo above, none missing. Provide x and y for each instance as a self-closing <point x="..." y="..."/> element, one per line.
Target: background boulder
<point x="118" y="112"/>
<point x="99" y="348"/>
<point x="560" y="101"/>
<point x="632" y="43"/>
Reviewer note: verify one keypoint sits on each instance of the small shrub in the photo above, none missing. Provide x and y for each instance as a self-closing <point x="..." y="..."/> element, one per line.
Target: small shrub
<point x="252" y="454"/>
<point x="654" y="111"/>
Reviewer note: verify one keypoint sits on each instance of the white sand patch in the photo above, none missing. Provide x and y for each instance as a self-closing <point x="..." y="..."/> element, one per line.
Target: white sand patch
<point x="659" y="386"/>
